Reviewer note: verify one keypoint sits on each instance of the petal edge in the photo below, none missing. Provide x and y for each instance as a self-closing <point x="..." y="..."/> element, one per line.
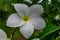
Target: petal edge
<point x="14" y="20"/>
<point x="27" y="30"/>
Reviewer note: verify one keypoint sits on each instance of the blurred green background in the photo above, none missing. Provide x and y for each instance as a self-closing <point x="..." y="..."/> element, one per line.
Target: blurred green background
<point x="52" y="29"/>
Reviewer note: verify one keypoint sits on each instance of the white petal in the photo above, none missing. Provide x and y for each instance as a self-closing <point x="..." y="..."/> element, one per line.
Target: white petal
<point x="14" y="20"/>
<point x="36" y="39"/>
<point x="40" y="1"/>
<point x="28" y="1"/>
<point x="4" y="39"/>
<point x="27" y="30"/>
<point x="8" y="39"/>
<point x="22" y="9"/>
<point x="2" y="34"/>
<point x="36" y="9"/>
<point x="38" y="22"/>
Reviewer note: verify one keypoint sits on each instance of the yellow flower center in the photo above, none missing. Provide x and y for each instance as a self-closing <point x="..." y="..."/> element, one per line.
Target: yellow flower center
<point x="25" y="18"/>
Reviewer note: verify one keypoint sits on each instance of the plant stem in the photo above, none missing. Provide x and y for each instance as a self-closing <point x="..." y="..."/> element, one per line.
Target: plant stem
<point x="12" y="33"/>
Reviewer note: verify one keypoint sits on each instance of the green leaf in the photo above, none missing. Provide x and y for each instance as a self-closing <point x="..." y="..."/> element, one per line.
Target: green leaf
<point x="13" y="1"/>
<point x="17" y="33"/>
<point x="1" y="3"/>
<point x="49" y="29"/>
<point x="5" y="28"/>
<point x="7" y="8"/>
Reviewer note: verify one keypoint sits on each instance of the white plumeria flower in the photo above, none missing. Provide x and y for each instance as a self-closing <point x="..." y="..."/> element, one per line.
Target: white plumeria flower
<point x="36" y="39"/>
<point x="27" y="18"/>
<point x="3" y="35"/>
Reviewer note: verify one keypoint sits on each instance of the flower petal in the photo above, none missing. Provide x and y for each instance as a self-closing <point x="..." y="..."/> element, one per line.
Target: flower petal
<point x="22" y="9"/>
<point x="28" y="1"/>
<point x="39" y="1"/>
<point x="14" y="20"/>
<point x="36" y="9"/>
<point x="27" y="30"/>
<point x="8" y="39"/>
<point x="36" y="39"/>
<point x="2" y="34"/>
<point x="4" y="39"/>
<point x="38" y="22"/>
